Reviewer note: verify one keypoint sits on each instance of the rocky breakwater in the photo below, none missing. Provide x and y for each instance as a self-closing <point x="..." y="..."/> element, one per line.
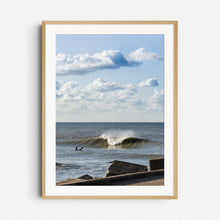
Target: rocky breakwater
<point x="120" y="167"/>
<point x="156" y="164"/>
<point x="125" y="173"/>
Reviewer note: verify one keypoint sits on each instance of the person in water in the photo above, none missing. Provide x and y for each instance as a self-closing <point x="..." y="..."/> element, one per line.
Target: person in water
<point x="81" y="149"/>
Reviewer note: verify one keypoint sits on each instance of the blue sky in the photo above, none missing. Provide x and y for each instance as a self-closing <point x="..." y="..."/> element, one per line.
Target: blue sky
<point x="110" y="77"/>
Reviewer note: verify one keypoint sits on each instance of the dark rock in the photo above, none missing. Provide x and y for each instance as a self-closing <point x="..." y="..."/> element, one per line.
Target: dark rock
<point x="156" y="164"/>
<point x="121" y="167"/>
<point x="85" y="177"/>
<point x="58" y="164"/>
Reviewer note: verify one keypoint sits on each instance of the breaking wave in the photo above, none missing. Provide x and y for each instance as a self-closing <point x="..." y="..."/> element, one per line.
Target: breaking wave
<point x="124" y="139"/>
<point x="114" y="138"/>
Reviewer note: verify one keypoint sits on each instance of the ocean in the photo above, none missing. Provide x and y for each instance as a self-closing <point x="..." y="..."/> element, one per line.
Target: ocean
<point x="89" y="148"/>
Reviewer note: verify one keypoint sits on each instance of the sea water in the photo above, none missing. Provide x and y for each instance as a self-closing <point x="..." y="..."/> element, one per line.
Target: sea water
<point x="89" y="148"/>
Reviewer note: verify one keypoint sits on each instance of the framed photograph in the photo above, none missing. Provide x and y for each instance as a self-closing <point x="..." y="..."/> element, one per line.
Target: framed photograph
<point x="109" y="110"/>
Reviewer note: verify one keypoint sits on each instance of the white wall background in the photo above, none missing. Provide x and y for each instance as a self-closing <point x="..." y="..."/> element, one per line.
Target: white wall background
<point x="20" y="109"/>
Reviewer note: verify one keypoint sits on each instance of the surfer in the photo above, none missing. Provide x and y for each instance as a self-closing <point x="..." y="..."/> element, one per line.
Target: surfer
<point x="80" y="149"/>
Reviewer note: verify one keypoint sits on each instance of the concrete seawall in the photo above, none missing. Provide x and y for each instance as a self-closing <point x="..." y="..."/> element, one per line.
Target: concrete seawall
<point x="113" y="180"/>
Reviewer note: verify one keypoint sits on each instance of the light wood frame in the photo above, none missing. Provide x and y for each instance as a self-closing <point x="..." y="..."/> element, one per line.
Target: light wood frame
<point x="175" y="196"/>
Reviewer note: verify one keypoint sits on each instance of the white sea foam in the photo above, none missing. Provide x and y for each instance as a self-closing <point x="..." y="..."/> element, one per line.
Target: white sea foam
<point x="115" y="137"/>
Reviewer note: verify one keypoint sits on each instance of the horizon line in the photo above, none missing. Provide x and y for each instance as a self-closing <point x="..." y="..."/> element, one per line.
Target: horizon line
<point x="109" y="121"/>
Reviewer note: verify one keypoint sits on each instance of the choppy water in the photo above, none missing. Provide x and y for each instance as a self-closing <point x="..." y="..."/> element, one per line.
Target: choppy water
<point x="102" y="143"/>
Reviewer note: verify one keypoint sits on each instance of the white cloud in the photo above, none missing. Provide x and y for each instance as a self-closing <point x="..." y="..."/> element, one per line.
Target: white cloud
<point x="99" y="95"/>
<point x="141" y="54"/>
<point x="85" y="63"/>
<point x="65" y="88"/>
<point x="107" y="59"/>
<point x="102" y="86"/>
<point x="149" y="83"/>
<point x="156" y="101"/>
<point x="102" y="100"/>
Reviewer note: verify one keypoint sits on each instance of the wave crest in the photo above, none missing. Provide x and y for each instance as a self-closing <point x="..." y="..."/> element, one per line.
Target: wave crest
<point x="117" y="137"/>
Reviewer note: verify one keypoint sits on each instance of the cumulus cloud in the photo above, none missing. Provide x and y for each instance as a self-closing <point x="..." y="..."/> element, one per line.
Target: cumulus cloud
<point x="103" y="95"/>
<point x="65" y="88"/>
<point x="108" y="59"/>
<point x="149" y="83"/>
<point x="141" y="54"/>
<point x="85" y="63"/>
<point x="156" y="101"/>
<point x="99" y="95"/>
<point x="129" y="96"/>
<point x="103" y="100"/>
<point x="103" y="86"/>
